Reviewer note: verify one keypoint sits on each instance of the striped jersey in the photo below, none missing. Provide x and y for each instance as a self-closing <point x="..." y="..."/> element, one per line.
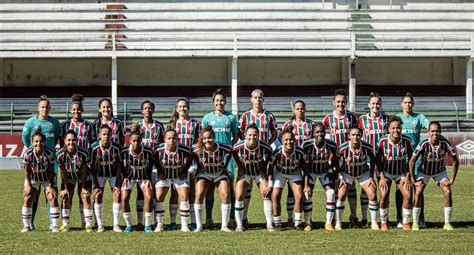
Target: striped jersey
<point x="213" y="162"/>
<point x="171" y="164"/>
<point x="154" y="135"/>
<point x="105" y="160"/>
<point x="137" y="166"/>
<point x="187" y="131"/>
<point x="339" y="127"/>
<point x="433" y="156"/>
<point x="292" y="164"/>
<point x="39" y="165"/>
<point x="118" y="129"/>
<point x="72" y="164"/>
<point x="83" y="129"/>
<point x="355" y="163"/>
<point x="373" y="128"/>
<point x="320" y="158"/>
<point x="395" y="157"/>
<point x="265" y="122"/>
<point x="302" y="131"/>
<point x="254" y="161"/>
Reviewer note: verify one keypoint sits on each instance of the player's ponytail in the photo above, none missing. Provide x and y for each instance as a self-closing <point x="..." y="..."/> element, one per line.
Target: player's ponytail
<point x="175" y="115"/>
<point x="286" y="130"/>
<point x="38" y="132"/>
<point x="218" y="92"/>
<point x="77" y="99"/>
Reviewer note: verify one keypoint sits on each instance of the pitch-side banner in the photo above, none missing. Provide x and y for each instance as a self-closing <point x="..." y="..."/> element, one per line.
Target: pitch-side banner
<point x="11" y="146"/>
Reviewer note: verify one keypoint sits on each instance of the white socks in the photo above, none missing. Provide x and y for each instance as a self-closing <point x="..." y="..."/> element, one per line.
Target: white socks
<point x="198" y="211"/>
<point x="116" y="213"/>
<point x="374" y="208"/>
<point x="148" y="216"/>
<point x="330" y="205"/>
<point x="184" y="213"/>
<point x="98" y="214"/>
<point x="88" y="217"/>
<point x="339" y="211"/>
<point x="416" y="214"/>
<point x="65" y="216"/>
<point x="448" y="211"/>
<point x="26" y="213"/>
<point x="54" y="213"/>
<point x="225" y="210"/>
<point x="160" y="213"/>
<point x="384" y="215"/>
<point x="406" y="216"/>
<point x="267" y="210"/>
<point x="239" y="212"/>
<point x="127" y="216"/>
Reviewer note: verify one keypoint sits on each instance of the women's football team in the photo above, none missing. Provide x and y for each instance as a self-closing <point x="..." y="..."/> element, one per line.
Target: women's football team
<point x="190" y="159"/>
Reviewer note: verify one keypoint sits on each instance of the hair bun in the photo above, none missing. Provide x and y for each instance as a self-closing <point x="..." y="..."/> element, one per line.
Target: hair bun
<point x="77" y="98"/>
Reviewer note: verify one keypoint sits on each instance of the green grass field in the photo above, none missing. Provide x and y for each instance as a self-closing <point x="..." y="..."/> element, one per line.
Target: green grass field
<point x="255" y="241"/>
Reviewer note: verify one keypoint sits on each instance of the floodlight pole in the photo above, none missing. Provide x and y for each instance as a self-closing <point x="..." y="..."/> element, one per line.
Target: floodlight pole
<point x="469" y="113"/>
<point x="235" y="104"/>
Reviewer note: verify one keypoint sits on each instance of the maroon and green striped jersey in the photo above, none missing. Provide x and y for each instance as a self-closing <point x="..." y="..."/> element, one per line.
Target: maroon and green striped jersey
<point x="339" y="127"/>
<point x="433" y="156"/>
<point x="302" y="131"/>
<point x="83" y="129"/>
<point x="292" y="164"/>
<point x="137" y="166"/>
<point x="355" y="162"/>
<point x="154" y="135"/>
<point x="39" y="164"/>
<point x="187" y="131"/>
<point x="171" y="164"/>
<point x="213" y="162"/>
<point x="118" y="129"/>
<point x="254" y="162"/>
<point x="320" y="158"/>
<point x="395" y="157"/>
<point x="72" y="164"/>
<point x="265" y="122"/>
<point x="373" y="128"/>
<point x="105" y="160"/>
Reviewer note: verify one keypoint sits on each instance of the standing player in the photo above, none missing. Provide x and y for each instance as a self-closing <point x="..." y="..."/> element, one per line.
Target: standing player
<point x="339" y="123"/>
<point x="72" y="162"/>
<point x="323" y="155"/>
<point x="355" y="158"/>
<point x="83" y="129"/>
<point x="412" y="125"/>
<point x="374" y="126"/>
<point x="394" y="151"/>
<point x="289" y="164"/>
<point x="106" y="164"/>
<point x="432" y="151"/>
<point x="172" y="161"/>
<point x="212" y="159"/>
<point x="254" y="156"/>
<point x="106" y="117"/>
<point x="303" y="130"/>
<point x="224" y="125"/>
<point x="267" y="126"/>
<point x="153" y="132"/>
<point x="187" y="129"/>
<point x="51" y="129"/>
<point x="138" y="163"/>
<point x="39" y="175"/>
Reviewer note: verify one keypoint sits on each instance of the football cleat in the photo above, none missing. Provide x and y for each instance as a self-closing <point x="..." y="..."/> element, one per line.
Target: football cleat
<point x="128" y="229"/>
<point x="117" y="229"/>
<point x="308" y="227"/>
<point x="415" y="227"/>
<point x="384" y="227"/>
<point x="328" y="227"/>
<point x="148" y="229"/>
<point x="448" y="227"/>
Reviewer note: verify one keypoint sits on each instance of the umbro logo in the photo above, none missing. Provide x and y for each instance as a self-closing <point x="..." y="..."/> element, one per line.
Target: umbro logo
<point x="466" y="146"/>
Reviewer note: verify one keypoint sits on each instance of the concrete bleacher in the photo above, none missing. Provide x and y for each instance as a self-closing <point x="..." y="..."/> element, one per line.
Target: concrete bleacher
<point x="317" y="107"/>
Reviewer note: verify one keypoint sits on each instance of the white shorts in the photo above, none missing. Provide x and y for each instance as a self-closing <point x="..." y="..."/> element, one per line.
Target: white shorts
<point x="212" y="177"/>
<point x="361" y="178"/>
<point x="101" y="180"/>
<point x="394" y="178"/>
<point x="177" y="183"/>
<point x="130" y="184"/>
<point x="279" y="179"/>
<point x="438" y="177"/>
<point x="37" y="185"/>
<point x="249" y="178"/>
<point x="192" y="169"/>
<point x="323" y="179"/>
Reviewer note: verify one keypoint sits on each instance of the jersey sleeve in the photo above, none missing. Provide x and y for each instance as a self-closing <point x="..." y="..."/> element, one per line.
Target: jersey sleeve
<point x="242" y="122"/>
<point x="419" y="149"/>
<point x="360" y="123"/>
<point x="204" y="121"/>
<point x="424" y="121"/>
<point x="26" y="134"/>
<point x="273" y="123"/>
<point x="450" y="148"/>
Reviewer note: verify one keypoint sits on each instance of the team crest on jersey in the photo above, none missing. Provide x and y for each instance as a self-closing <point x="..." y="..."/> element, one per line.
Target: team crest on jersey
<point x="413" y="122"/>
<point x="227" y="122"/>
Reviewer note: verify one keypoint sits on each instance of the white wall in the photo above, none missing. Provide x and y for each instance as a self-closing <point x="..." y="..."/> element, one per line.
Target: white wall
<point x="173" y="71"/>
<point x="407" y="71"/>
<point x="56" y="72"/>
<point x="290" y="71"/>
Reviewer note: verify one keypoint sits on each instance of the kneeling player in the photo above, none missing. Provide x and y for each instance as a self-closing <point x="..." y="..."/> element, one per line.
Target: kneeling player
<point x="254" y="156"/>
<point x="354" y="157"/>
<point x="39" y="175"/>
<point x="323" y="155"/>
<point x="433" y="151"/>
<point x="72" y="161"/>
<point x="394" y="151"/>
<point x="172" y="162"/>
